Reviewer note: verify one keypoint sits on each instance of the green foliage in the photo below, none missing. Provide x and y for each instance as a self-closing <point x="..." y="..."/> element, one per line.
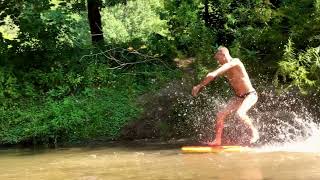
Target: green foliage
<point x="134" y="20"/>
<point x="70" y="103"/>
<point x="139" y="25"/>
<point x="299" y="65"/>
<point x="56" y="87"/>
<point x="302" y="21"/>
<point x="8" y="83"/>
<point x="190" y="35"/>
<point x="256" y="31"/>
<point x="55" y="90"/>
<point x="66" y="105"/>
<point x="93" y="113"/>
<point x="8" y="29"/>
<point x="251" y="28"/>
<point x="37" y="30"/>
<point x="301" y="69"/>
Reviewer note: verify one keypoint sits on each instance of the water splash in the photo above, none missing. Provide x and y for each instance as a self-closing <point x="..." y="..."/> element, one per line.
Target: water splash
<point x="286" y="121"/>
<point x="307" y="143"/>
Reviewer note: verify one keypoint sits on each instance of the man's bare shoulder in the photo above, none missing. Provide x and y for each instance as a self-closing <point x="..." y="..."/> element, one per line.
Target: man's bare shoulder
<point x="236" y="60"/>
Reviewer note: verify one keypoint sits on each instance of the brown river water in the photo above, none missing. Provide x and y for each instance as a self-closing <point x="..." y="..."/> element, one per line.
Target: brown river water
<point x="159" y="161"/>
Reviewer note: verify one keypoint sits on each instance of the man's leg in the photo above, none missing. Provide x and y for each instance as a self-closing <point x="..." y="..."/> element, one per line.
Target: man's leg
<point x="241" y="114"/>
<point x="232" y="105"/>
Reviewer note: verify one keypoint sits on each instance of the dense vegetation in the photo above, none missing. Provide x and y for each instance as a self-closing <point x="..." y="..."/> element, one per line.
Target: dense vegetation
<point x="72" y="70"/>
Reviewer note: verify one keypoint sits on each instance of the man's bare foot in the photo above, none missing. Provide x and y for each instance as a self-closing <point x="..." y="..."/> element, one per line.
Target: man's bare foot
<point x="214" y="143"/>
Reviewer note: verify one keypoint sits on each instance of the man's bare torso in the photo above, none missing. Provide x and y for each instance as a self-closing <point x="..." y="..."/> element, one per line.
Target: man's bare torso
<point x="239" y="79"/>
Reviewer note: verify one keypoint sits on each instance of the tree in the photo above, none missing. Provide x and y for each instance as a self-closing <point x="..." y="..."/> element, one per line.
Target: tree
<point x="95" y="20"/>
<point x="206" y="12"/>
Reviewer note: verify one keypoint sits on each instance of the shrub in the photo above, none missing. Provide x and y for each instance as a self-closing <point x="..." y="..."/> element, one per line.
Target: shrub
<point x="300" y="69"/>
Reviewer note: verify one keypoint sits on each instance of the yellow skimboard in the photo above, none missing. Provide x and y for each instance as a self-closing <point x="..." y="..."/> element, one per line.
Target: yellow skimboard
<point x="214" y="149"/>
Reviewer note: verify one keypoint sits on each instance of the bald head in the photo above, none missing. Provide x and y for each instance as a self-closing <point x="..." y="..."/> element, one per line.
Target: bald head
<point x="222" y="55"/>
<point x="223" y="50"/>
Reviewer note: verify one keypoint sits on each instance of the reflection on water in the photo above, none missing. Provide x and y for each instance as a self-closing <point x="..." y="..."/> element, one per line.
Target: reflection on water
<point x="160" y="161"/>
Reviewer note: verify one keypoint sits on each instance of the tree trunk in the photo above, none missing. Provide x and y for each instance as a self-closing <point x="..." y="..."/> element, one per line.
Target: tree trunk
<point x="95" y="20"/>
<point x="275" y="3"/>
<point x="206" y="12"/>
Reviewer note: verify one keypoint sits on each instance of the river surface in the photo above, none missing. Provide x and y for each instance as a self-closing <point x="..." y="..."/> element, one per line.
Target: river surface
<point x="156" y="162"/>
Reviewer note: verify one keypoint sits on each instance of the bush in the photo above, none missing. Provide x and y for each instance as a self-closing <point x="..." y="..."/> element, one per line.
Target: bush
<point x="73" y="103"/>
<point x="135" y="20"/>
<point x="300" y="69"/>
<point x="90" y="115"/>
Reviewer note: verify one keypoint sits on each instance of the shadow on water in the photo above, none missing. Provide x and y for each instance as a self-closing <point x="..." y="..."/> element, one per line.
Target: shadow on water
<point x="152" y="145"/>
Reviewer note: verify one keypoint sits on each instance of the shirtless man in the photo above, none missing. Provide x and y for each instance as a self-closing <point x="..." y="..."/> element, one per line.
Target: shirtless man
<point x="245" y="94"/>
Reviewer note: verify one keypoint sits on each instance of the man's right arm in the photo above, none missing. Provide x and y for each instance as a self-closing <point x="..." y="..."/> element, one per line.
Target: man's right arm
<point x="211" y="76"/>
<point x="224" y="68"/>
<point x="196" y="89"/>
<point x="206" y="81"/>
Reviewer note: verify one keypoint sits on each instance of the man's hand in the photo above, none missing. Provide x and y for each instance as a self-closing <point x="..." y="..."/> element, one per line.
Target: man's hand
<point x="196" y="89"/>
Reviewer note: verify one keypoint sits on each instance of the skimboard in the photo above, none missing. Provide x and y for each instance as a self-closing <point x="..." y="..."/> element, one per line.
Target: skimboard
<point x="214" y="149"/>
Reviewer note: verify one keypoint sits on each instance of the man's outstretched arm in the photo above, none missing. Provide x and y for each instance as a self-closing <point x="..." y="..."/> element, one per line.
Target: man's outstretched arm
<point x="223" y="68"/>
<point x="211" y="76"/>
